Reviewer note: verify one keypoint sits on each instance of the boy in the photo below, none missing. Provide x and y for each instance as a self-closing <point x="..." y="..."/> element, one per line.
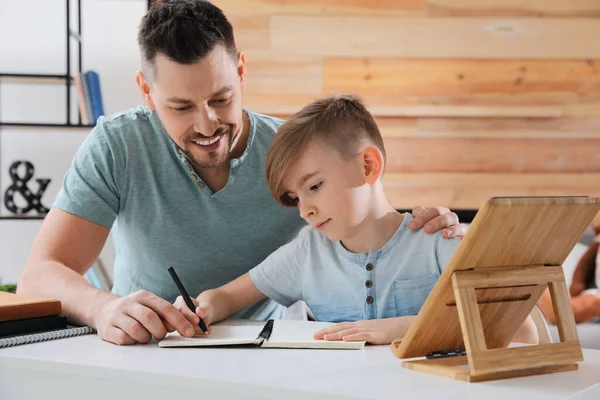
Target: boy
<point x="357" y="261"/>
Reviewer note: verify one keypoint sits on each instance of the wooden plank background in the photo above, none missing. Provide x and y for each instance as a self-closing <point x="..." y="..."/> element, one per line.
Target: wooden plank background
<point x="474" y="98"/>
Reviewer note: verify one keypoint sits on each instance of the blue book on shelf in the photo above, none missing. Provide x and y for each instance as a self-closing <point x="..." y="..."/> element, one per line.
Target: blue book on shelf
<point x="86" y="101"/>
<point x="93" y="83"/>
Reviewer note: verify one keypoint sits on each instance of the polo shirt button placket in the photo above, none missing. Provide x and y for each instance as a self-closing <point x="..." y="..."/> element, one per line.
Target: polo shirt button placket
<point x="368" y="285"/>
<point x="195" y="177"/>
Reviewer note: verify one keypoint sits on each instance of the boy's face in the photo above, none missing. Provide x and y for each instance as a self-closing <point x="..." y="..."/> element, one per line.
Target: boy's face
<point x="330" y="191"/>
<point x="199" y="105"/>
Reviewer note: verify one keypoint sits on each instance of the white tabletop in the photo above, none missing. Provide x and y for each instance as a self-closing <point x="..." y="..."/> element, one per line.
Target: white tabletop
<point x="87" y="366"/>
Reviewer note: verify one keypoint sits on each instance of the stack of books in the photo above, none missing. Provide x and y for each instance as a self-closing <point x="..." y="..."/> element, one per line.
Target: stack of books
<point x="26" y="319"/>
<point x="89" y="96"/>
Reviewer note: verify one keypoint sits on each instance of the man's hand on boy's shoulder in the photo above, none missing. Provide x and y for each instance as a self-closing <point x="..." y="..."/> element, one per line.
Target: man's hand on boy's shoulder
<point x="432" y="219"/>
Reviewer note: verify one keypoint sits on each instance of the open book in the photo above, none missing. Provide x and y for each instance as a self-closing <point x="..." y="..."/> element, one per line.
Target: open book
<point x="284" y="334"/>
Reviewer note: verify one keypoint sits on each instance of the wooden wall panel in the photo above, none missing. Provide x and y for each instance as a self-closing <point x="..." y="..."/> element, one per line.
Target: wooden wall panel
<point x="443" y="37"/>
<point x="276" y="104"/>
<point x="290" y="103"/>
<point x="582" y="109"/>
<point x="568" y="8"/>
<point x="521" y="128"/>
<point x="251" y="31"/>
<point x="470" y="190"/>
<point x="330" y="7"/>
<point x="492" y="155"/>
<point x="452" y="81"/>
<point x="511" y="8"/>
<point x="266" y="75"/>
<point x="474" y="98"/>
<point x="501" y="128"/>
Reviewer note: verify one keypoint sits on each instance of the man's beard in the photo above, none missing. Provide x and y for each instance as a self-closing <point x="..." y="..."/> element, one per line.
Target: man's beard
<point x="216" y="158"/>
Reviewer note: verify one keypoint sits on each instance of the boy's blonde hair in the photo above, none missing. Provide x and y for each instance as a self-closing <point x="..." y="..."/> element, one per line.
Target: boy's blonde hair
<point x="342" y="121"/>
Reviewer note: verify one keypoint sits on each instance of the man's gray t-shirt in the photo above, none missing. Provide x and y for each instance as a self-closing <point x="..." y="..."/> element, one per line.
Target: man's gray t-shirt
<point x="130" y="173"/>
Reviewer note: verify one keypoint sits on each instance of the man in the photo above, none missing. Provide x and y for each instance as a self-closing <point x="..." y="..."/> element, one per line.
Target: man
<point x="181" y="179"/>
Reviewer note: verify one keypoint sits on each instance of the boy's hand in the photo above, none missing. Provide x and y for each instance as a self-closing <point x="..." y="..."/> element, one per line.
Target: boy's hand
<point x="375" y="331"/>
<point x="203" y="310"/>
<point x="433" y="219"/>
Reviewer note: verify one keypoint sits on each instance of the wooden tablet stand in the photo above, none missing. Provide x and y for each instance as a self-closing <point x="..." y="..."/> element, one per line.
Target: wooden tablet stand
<point x="488" y="364"/>
<point x="511" y="254"/>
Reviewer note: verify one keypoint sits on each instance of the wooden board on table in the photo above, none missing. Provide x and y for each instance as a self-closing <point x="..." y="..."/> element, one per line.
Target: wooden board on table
<point x="17" y="306"/>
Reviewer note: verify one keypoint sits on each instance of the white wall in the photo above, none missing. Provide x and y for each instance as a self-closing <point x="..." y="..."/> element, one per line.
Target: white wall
<point x="32" y="40"/>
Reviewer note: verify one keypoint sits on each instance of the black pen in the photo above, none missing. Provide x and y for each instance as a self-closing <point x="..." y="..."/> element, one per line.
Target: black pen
<point x="186" y="297"/>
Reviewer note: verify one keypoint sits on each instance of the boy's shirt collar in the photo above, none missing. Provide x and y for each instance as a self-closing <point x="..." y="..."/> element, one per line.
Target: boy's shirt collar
<point x="360" y="258"/>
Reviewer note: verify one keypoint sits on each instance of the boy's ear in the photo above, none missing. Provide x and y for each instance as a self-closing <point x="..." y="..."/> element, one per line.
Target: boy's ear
<point x="372" y="161"/>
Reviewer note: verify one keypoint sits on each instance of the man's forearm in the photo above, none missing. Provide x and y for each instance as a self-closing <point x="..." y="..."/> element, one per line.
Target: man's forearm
<point x="50" y="279"/>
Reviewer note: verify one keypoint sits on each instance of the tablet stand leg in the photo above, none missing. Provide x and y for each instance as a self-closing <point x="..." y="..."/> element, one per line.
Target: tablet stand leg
<point x="481" y="363"/>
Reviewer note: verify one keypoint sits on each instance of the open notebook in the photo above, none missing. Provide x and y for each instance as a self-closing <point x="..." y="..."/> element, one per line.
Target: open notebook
<point x="284" y="334"/>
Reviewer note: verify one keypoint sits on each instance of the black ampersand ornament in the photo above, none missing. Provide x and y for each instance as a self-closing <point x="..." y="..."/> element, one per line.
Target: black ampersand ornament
<point x="19" y="185"/>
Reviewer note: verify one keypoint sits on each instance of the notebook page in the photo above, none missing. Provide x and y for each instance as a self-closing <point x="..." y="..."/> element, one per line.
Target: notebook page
<point x="299" y="334"/>
<point x="221" y="335"/>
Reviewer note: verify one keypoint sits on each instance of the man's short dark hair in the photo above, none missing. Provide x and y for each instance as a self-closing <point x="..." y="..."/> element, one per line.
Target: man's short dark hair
<point x="184" y="31"/>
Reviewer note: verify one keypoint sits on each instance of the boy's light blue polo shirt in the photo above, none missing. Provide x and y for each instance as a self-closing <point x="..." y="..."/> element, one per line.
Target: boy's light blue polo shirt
<point x="130" y="173"/>
<point x="338" y="285"/>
